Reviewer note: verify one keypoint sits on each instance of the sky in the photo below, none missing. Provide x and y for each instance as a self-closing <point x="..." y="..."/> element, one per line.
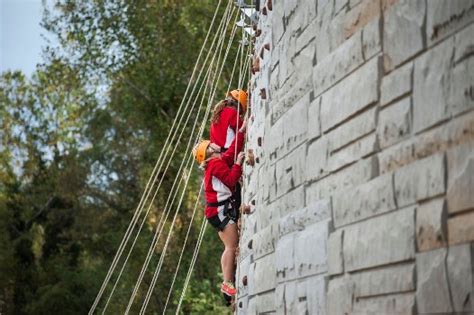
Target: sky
<point x="20" y="35"/>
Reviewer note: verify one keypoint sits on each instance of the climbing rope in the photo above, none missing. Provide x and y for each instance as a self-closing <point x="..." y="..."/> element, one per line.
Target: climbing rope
<point x="204" y="121"/>
<point x="167" y="210"/>
<point x="156" y="170"/>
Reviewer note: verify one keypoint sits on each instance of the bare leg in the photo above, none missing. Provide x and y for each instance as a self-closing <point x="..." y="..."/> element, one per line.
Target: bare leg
<point x="230" y="239"/>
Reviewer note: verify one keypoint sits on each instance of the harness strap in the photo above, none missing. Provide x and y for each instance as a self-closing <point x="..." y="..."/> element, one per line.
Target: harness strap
<point x="218" y="204"/>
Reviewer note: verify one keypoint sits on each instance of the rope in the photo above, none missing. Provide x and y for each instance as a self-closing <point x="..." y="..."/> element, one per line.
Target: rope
<point x="160" y="230"/>
<point x="155" y="170"/>
<point x="183" y="248"/>
<point x="217" y="77"/>
<point x="191" y="266"/>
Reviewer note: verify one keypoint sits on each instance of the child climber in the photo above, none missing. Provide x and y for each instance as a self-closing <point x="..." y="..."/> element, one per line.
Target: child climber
<point x="227" y="118"/>
<point x="220" y="177"/>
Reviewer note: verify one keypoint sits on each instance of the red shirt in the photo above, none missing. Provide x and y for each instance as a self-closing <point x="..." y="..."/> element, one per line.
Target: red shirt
<point x="221" y="175"/>
<point x="222" y="133"/>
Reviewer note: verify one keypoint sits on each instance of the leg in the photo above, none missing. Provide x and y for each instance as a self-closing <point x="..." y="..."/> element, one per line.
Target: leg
<point x="229" y="237"/>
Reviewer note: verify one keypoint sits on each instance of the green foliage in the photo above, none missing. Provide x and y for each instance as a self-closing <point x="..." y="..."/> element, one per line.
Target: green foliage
<point x="79" y="140"/>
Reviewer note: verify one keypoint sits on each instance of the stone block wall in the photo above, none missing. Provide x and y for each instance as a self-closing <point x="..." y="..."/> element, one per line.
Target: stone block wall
<point x="362" y="197"/>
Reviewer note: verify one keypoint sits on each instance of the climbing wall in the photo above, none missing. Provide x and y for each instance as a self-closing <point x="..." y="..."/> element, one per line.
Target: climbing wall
<point x="362" y="124"/>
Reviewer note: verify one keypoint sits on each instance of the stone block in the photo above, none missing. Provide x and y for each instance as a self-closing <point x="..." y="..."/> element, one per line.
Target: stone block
<point x="382" y="240"/>
<point x="351" y="95"/>
<point x="396" y="84"/>
<point x="353" y="175"/>
<point x="264" y="241"/>
<point x="432" y="290"/>
<point x="393" y="279"/>
<point x="311" y="249"/>
<point x="371" y="39"/>
<point x="307" y="36"/>
<point x="303" y="61"/>
<point x="290" y="170"/>
<point x="300" y="89"/>
<point x="335" y="258"/>
<point x="339" y="5"/>
<point x="290" y="298"/>
<point x="265" y="303"/>
<point x="242" y="306"/>
<point x="264" y="275"/>
<point x="299" y="220"/>
<point x="403" y="32"/>
<point x="338" y="64"/>
<point x="251" y="306"/>
<point x="242" y="271"/>
<point x="396" y="156"/>
<point x="364" y="201"/>
<point x="460" y="190"/>
<point x="461" y="228"/>
<point x="445" y="17"/>
<point x="273" y="144"/>
<point x="431" y="221"/>
<point x="292" y="200"/>
<point x="395" y="304"/>
<point x="464" y="44"/>
<point x="394" y="123"/>
<point x="352" y="130"/>
<point x="420" y="180"/>
<point x="353" y="152"/>
<point x="340" y="294"/>
<point x="312" y="295"/>
<point x="461" y="88"/>
<point x="360" y="15"/>
<point x="278" y="25"/>
<point x="432" y="77"/>
<point x="317" y="159"/>
<point x="284" y="258"/>
<point x="331" y="32"/>
<point x="314" y="123"/>
<point x="460" y="264"/>
<point x="455" y="132"/>
<point x="296" y="120"/>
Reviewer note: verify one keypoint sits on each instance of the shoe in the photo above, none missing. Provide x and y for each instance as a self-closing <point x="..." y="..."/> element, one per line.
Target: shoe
<point x="228" y="288"/>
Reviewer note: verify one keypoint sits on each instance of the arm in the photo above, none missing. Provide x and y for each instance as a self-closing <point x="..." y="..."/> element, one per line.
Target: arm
<point x="234" y="120"/>
<point x="229" y="155"/>
<point x="228" y="176"/>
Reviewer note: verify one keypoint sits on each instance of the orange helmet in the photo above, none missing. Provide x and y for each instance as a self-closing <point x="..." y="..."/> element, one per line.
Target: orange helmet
<point x="199" y="150"/>
<point x="240" y="96"/>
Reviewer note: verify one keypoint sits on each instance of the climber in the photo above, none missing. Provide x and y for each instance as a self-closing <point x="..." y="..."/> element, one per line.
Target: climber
<point x="227" y="117"/>
<point x="220" y="178"/>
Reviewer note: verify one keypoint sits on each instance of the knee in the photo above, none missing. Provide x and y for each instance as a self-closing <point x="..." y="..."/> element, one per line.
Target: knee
<point x="230" y="249"/>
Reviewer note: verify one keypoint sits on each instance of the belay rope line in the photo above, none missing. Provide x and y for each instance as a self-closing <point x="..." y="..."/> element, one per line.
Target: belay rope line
<point x="208" y="84"/>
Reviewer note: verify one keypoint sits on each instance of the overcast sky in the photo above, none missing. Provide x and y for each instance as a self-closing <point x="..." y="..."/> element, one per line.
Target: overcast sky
<point x="20" y="35"/>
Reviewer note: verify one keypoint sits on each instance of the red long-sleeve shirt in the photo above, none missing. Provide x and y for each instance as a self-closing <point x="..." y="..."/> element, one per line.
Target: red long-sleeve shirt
<point x="221" y="175"/>
<point x="223" y="132"/>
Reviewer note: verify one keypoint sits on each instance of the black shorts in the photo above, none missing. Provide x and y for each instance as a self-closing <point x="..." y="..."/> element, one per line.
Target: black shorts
<point x="219" y="222"/>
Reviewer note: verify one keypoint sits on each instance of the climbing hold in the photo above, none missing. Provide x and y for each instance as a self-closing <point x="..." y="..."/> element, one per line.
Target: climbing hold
<point x="241" y="304"/>
<point x="267" y="46"/>
<point x="256" y="65"/>
<point x="250" y="244"/>
<point x="261" y="52"/>
<point x="259" y="141"/>
<point x="269" y="5"/>
<point x="264" y="11"/>
<point x="257" y="159"/>
<point x="244" y="280"/>
<point x="263" y="94"/>
<point x="245" y="209"/>
<point x="250" y="157"/>
<point x="252" y="202"/>
<point x="258" y="33"/>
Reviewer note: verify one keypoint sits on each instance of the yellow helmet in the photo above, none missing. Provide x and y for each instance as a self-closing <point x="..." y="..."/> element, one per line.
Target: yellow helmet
<point x="240" y="96"/>
<point x="199" y="150"/>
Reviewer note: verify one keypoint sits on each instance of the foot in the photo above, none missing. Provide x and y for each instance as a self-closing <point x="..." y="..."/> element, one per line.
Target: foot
<point x="228" y="288"/>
